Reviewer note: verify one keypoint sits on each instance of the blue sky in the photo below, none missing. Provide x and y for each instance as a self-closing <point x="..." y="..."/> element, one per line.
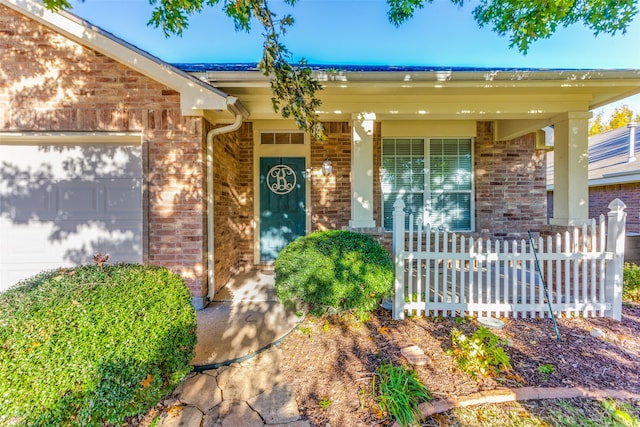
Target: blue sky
<point x="356" y="32"/>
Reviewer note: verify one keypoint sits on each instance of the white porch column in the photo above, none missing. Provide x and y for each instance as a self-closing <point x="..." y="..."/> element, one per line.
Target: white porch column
<point x="362" y="170"/>
<point x="570" y="170"/>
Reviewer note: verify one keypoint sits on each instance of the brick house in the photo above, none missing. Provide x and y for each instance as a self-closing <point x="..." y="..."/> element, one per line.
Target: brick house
<point x="104" y="148"/>
<point x="613" y="172"/>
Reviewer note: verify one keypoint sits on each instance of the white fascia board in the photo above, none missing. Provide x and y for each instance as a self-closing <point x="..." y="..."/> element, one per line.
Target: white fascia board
<point x="70" y="137"/>
<point x="614" y="180"/>
<point x="195" y="95"/>
<point x="471" y="78"/>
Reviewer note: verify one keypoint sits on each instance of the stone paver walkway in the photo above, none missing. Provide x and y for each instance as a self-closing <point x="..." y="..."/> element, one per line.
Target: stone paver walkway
<point x="247" y="394"/>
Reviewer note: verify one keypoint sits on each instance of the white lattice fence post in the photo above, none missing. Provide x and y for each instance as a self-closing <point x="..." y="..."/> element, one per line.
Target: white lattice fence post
<point x="615" y="267"/>
<point x="398" y="259"/>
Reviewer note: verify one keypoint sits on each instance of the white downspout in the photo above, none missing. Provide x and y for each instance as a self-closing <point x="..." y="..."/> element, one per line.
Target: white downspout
<point x="240" y="114"/>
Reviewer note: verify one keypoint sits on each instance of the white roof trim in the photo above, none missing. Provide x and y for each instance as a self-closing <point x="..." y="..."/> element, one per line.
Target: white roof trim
<point x="70" y="137"/>
<point x="611" y="180"/>
<point x="195" y="95"/>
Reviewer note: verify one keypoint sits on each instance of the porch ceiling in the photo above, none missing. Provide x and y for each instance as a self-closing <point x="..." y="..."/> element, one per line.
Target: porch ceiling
<point x="537" y="95"/>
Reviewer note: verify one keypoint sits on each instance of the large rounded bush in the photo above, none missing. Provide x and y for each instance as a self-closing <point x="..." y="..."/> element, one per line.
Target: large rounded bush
<point x="89" y="346"/>
<point x="335" y="269"/>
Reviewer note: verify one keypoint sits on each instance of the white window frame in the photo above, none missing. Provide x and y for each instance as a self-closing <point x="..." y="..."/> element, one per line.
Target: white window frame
<point x="427" y="208"/>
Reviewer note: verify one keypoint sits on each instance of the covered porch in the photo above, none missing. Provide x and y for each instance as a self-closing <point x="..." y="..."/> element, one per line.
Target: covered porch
<point x="552" y="105"/>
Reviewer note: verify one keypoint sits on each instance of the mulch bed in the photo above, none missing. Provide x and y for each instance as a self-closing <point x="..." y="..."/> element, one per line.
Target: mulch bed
<point x="331" y="361"/>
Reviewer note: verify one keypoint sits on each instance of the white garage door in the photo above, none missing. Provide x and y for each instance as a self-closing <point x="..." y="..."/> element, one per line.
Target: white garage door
<point x="62" y="203"/>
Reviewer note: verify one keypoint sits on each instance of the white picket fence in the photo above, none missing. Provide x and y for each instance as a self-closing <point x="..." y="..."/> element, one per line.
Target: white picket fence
<point x="438" y="273"/>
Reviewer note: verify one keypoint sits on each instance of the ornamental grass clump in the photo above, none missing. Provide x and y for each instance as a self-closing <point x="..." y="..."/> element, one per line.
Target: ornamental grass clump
<point x="91" y="346"/>
<point x="399" y="393"/>
<point x="334" y="270"/>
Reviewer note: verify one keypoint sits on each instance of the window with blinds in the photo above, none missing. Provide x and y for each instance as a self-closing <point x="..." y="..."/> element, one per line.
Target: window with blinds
<point x="434" y="179"/>
<point x="403" y="175"/>
<point x="450" y="179"/>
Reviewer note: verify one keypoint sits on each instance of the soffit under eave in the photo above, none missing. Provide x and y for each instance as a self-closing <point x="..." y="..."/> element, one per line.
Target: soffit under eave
<point x="543" y="94"/>
<point x="601" y="100"/>
<point x="439" y="105"/>
<point x="425" y="109"/>
<point x="220" y="117"/>
<point x="507" y="130"/>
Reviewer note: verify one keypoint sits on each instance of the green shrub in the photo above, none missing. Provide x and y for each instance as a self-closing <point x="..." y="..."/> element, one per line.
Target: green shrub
<point x="335" y="269"/>
<point x="481" y="354"/>
<point x="90" y="346"/>
<point x="631" y="287"/>
<point x="400" y="392"/>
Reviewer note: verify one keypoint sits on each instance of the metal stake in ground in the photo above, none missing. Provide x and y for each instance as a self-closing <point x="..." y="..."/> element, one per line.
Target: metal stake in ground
<point x="544" y="286"/>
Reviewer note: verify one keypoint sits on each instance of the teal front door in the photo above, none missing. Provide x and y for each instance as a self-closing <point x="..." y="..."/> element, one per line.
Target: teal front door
<point x="282" y="204"/>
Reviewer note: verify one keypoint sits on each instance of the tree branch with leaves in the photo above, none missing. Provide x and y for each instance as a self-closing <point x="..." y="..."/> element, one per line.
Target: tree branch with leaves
<point x="294" y="86"/>
<point x="620" y="117"/>
<point x="525" y="21"/>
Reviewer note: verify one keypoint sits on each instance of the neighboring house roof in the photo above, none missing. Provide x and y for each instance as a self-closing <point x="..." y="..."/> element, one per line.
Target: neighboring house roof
<point x="196" y="96"/>
<point x="609" y="161"/>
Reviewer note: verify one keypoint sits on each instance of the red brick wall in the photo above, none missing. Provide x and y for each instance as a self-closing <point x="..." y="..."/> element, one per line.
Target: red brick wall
<point x="510" y="182"/>
<point x="600" y="197"/>
<point x="246" y="196"/>
<point x="48" y="83"/>
<point x="331" y="195"/>
<point x="177" y="204"/>
<point x="233" y="203"/>
<point x="225" y="163"/>
<point x="510" y="185"/>
<point x="549" y="205"/>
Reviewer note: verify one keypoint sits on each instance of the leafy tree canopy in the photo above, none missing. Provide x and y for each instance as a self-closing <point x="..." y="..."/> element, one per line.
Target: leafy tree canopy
<point x="620" y="117"/>
<point x="293" y="85"/>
